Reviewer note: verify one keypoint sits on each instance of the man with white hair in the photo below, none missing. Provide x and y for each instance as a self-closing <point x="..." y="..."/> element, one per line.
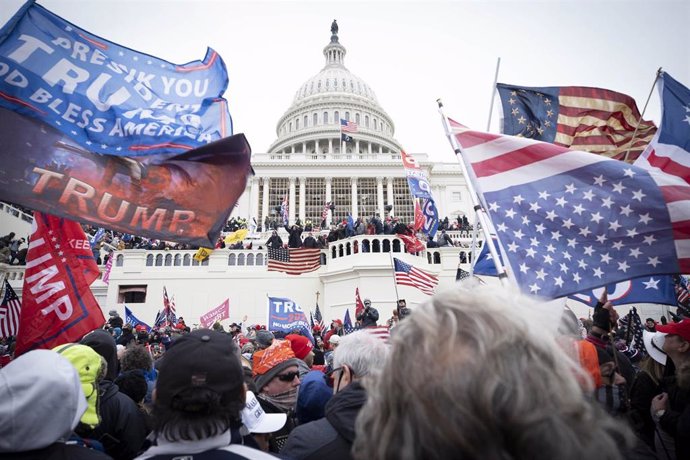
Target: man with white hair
<point x="358" y="356"/>
<point x="499" y="385"/>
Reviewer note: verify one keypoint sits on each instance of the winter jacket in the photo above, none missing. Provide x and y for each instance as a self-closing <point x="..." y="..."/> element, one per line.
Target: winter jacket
<point x="295" y="238"/>
<point x="213" y="448"/>
<point x="332" y="436"/>
<point x="274" y="242"/>
<point x="368" y="317"/>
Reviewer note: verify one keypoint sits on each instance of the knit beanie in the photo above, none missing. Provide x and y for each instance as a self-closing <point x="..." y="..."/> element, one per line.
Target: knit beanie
<point x="272" y="361"/>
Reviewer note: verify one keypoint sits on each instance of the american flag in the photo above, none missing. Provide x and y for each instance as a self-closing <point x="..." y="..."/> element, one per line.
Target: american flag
<point x="591" y="119"/>
<point x="669" y="151"/>
<point x="168" y="316"/>
<point x="571" y="221"/>
<point x="9" y="312"/>
<point x="408" y="275"/>
<point x="294" y="261"/>
<point x="324" y="213"/>
<point x="681" y="288"/>
<point x="382" y="332"/>
<point x="347" y="126"/>
<point x="359" y="305"/>
<point x="318" y="318"/>
<point x="461" y="274"/>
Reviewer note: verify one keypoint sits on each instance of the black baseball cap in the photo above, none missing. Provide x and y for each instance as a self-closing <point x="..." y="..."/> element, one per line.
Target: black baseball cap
<point x="200" y="359"/>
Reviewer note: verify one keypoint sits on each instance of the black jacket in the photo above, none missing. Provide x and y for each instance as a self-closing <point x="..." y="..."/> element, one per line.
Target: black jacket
<point x="310" y="242"/>
<point x="368" y="317"/>
<point x="332" y="436"/>
<point x="295" y="238"/>
<point x="274" y="242"/>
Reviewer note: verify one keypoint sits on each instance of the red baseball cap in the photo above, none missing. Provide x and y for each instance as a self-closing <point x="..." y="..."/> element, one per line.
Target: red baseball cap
<point x="681" y="329"/>
<point x="300" y="345"/>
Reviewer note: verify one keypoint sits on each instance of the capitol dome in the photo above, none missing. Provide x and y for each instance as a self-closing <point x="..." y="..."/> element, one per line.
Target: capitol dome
<point x="311" y="125"/>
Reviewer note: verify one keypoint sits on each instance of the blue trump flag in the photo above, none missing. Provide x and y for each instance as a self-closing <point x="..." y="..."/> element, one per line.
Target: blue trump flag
<point x="430" y="213"/>
<point x="133" y="320"/>
<point x="284" y="315"/>
<point x="649" y="289"/>
<point x="107" y="98"/>
<point x="347" y="322"/>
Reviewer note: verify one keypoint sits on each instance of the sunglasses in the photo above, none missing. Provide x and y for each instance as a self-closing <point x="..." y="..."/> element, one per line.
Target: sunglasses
<point x="289" y="377"/>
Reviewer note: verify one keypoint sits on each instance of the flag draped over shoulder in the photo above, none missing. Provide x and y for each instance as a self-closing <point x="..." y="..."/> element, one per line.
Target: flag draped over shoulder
<point x="571" y="221"/>
<point x="408" y="275"/>
<point x="182" y="197"/>
<point x="10" y="309"/>
<point x="294" y="261"/>
<point x="107" y="97"/>
<point x="57" y="303"/>
<point x="133" y="320"/>
<point x="669" y="151"/>
<point x="591" y="119"/>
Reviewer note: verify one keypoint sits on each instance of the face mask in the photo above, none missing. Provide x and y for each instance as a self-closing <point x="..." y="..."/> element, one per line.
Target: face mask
<point x="286" y="401"/>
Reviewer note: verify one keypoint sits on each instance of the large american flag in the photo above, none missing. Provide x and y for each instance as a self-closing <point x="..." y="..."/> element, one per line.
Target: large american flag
<point x="408" y="275"/>
<point x="570" y="221"/>
<point x="591" y="119"/>
<point x="9" y="312"/>
<point x="294" y="261"/>
<point x="347" y="126"/>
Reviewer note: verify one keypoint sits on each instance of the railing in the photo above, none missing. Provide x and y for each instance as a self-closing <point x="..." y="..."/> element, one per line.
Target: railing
<point x="9" y="209"/>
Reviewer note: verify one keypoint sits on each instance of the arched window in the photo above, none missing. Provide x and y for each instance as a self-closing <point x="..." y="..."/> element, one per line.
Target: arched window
<point x="240" y="259"/>
<point x="386" y="246"/>
<point x="306" y="121"/>
<point x="159" y="260"/>
<point x="357" y="118"/>
<point x="178" y="260"/>
<point x="259" y="259"/>
<point x="428" y="257"/>
<point x="348" y="249"/>
<point x="375" y="124"/>
<point x="195" y="263"/>
<point x="437" y="257"/>
<point x="366" y="121"/>
<point x="316" y="119"/>
<point x="336" y="117"/>
<point x="396" y="245"/>
<point x="325" y="118"/>
<point x="119" y="260"/>
<point x="290" y="127"/>
<point x="149" y="260"/>
<point x="296" y="124"/>
<point x="232" y="259"/>
<point x="347" y="116"/>
<point x="376" y="246"/>
<point x="333" y="252"/>
<point x="250" y="259"/>
<point x="341" y="251"/>
<point x="168" y="260"/>
<point x="186" y="260"/>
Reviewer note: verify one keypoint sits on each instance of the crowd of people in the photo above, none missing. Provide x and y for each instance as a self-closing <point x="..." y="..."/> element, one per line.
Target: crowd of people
<point x="476" y="372"/>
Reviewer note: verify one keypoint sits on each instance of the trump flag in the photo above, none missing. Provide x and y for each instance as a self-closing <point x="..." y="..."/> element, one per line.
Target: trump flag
<point x="106" y="97"/>
<point x="570" y="221"/>
<point x="285" y="315"/>
<point x="57" y="303"/>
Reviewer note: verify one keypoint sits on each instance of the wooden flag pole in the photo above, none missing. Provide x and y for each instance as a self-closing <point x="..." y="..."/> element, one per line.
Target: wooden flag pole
<point x="644" y="109"/>
<point x="482" y="215"/>
<point x="493" y="94"/>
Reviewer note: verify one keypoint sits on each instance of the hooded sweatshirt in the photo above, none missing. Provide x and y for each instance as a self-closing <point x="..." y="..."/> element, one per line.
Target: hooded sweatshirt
<point x="42" y="401"/>
<point x="332" y="436"/>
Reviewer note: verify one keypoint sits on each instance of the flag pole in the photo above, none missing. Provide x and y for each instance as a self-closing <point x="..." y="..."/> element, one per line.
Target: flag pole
<point x="493" y="93"/>
<point x="644" y="109"/>
<point x="395" y="283"/>
<point x="478" y="208"/>
<point x="473" y="247"/>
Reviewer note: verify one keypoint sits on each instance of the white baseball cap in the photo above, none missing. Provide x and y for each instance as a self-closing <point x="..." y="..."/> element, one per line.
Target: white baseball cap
<point x="258" y="421"/>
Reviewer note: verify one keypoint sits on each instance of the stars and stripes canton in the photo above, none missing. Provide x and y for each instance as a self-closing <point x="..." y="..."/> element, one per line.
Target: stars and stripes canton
<point x="461" y="274"/>
<point x="669" y="151"/>
<point x="318" y="318"/>
<point x="571" y="221"/>
<point x="294" y="261"/>
<point x="347" y="126"/>
<point x="591" y="119"/>
<point x="9" y="312"/>
<point x="682" y="292"/>
<point x="408" y="275"/>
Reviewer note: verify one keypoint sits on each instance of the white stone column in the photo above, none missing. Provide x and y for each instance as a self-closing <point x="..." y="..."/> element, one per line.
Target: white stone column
<point x="264" y="205"/>
<point x="304" y="148"/>
<point x="291" y="201"/>
<point x="391" y="201"/>
<point x="330" y="147"/>
<point x="369" y="147"/>
<point x="354" y="198"/>
<point x="254" y="200"/>
<point x="357" y="147"/>
<point x="302" y="198"/>
<point x="329" y="217"/>
<point x="379" y="194"/>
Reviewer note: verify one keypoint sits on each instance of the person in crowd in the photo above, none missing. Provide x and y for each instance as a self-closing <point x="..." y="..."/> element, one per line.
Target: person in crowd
<point x="671" y="408"/>
<point x="274" y="241"/>
<point x="42" y="402"/>
<point x="335" y="329"/>
<point x="319" y="351"/>
<point x="14" y="249"/>
<point x="295" y="236"/>
<point x="122" y="428"/>
<point x="200" y="395"/>
<point x="369" y="316"/>
<point x="403" y="310"/>
<point x="276" y="375"/>
<point x="115" y="320"/>
<point x="314" y="393"/>
<point x="650" y="325"/>
<point x="7" y="239"/>
<point x="333" y="343"/>
<point x="310" y="241"/>
<point x="127" y="336"/>
<point x="303" y="349"/>
<point x="444" y="239"/>
<point x="393" y="320"/>
<point x="138" y="358"/>
<point x="501" y="386"/>
<point x="263" y="339"/>
<point x="646" y="385"/>
<point x="359" y="355"/>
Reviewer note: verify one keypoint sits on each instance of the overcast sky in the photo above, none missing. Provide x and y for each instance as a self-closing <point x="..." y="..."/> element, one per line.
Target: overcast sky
<point x="410" y="53"/>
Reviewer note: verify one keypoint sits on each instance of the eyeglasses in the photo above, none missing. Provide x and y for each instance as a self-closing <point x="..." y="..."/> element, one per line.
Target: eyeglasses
<point x="289" y="377"/>
<point x="330" y="377"/>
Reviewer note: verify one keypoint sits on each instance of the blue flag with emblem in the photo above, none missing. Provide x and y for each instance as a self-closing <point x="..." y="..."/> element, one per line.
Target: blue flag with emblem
<point x="106" y="97"/>
<point x="133" y="320"/>
<point x="649" y="289"/>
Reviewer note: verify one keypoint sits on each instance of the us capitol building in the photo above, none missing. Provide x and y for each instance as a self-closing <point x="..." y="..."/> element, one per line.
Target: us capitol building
<point x="310" y="164"/>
